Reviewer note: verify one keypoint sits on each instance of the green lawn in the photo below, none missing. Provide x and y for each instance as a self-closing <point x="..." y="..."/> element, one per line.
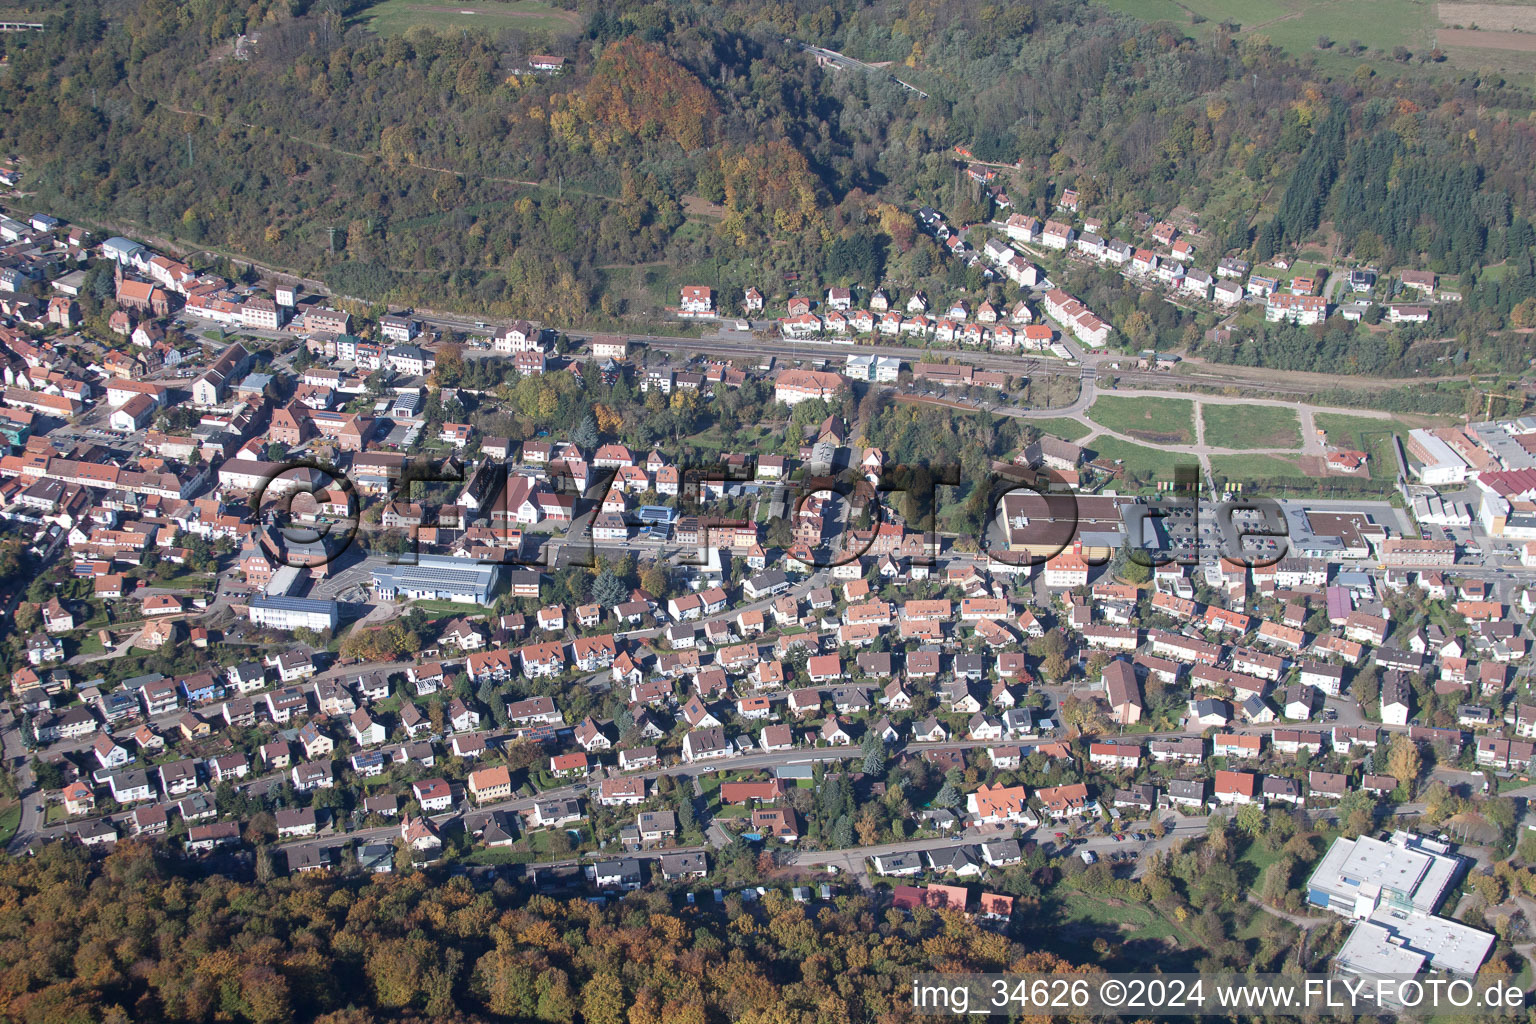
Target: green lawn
<point x="1262" y="922"/>
<point x="1143" y="461"/>
<point x="1275" y="477"/>
<point x="1063" y="427"/>
<point x="1146" y="924"/>
<point x="497" y="856"/>
<point x="1362" y="433"/>
<point x="1250" y="426"/>
<point x="1157" y="420"/>
<point x="1253" y="862"/>
<point x="538" y="843"/>
<point x="10" y="821"/>
<point x="1255" y="467"/>
<point x="392" y="17"/>
<point x="450" y="608"/>
<point x="89" y="643"/>
<point x="186" y="581"/>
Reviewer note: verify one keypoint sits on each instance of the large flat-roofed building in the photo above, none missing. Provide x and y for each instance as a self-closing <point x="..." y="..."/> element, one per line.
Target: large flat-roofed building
<point x="1041" y="526"/>
<point x="1333" y="535"/>
<point x="438" y="578"/>
<point x="1399" y="943"/>
<point x="1408" y="872"/>
<point x="1438" y="462"/>
<point x="1393" y="888"/>
<point x="293" y="612"/>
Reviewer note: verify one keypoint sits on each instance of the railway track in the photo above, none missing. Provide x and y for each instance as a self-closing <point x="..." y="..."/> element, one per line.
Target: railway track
<point x="750" y="345"/>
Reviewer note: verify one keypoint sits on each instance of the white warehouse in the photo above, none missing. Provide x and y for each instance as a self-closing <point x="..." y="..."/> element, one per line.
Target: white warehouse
<point x="438" y="578"/>
<point x="293" y="613"/>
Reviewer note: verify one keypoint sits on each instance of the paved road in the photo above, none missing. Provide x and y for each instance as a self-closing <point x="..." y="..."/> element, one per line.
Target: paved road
<point x="844" y="61"/>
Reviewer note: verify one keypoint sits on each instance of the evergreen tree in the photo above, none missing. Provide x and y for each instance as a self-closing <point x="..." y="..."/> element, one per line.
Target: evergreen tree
<point x="874" y="755"/>
<point x="608" y="590"/>
<point x="585" y="435"/>
<point x="842" y="833"/>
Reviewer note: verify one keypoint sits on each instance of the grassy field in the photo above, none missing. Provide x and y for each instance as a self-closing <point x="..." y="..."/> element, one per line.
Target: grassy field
<point x="89" y="643"/>
<point x="1066" y="429"/>
<point x="392" y="17"/>
<point x="1158" y="420"/>
<point x="1364" y="434"/>
<point x="1250" y="426"/>
<point x="1255" y="467"/>
<point x="1295" y="25"/>
<point x="497" y="857"/>
<point x="1347" y="431"/>
<point x="1140" y="460"/>
<point x="1083" y="908"/>
<point x="10" y="821"/>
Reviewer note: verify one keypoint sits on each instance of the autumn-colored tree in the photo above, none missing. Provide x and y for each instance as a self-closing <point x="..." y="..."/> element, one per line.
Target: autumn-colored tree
<point x="637" y="91"/>
<point x="602" y="1000"/>
<point x="1523" y="314"/>
<point x="1404" y="762"/>
<point x="608" y="421"/>
<point x="868" y="826"/>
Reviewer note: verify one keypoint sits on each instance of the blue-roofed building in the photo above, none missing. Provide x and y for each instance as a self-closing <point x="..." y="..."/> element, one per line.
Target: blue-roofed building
<point x="438" y="578"/>
<point x="137" y="683"/>
<point x="202" y="688"/>
<point x="377" y="858"/>
<point x="369" y="763"/>
<point x="254" y="383"/>
<point x="407" y="405"/>
<point x="652" y="515"/>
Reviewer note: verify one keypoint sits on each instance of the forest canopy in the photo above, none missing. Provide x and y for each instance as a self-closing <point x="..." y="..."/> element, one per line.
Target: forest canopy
<point x="129" y="938"/>
<point x="427" y="169"/>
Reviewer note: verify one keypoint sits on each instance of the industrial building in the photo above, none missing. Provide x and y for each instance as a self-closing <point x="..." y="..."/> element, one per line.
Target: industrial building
<point x="438" y="578"/>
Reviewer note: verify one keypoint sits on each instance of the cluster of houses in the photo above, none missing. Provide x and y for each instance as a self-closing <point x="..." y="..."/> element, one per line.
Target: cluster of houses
<point x="1167" y="261"/>
<point x="774" y="663"/>
<point x="981" y="324"/>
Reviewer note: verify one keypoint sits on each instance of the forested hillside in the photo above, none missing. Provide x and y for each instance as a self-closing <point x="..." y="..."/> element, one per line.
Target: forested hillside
<point x="127" y="939"/>
<point x="701" y="139"/>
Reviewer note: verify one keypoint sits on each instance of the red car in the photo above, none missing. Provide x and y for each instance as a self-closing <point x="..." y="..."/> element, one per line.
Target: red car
<point x="1060" y="835"/>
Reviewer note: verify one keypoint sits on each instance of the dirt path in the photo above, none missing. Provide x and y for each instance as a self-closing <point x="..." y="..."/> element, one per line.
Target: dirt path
<point x="1201" y="450"/>
<point x="1299" y="921"/>
<point x="375" y="157"/>
<point x="1310" y="445"/>
<point x="1315" y="381"/>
